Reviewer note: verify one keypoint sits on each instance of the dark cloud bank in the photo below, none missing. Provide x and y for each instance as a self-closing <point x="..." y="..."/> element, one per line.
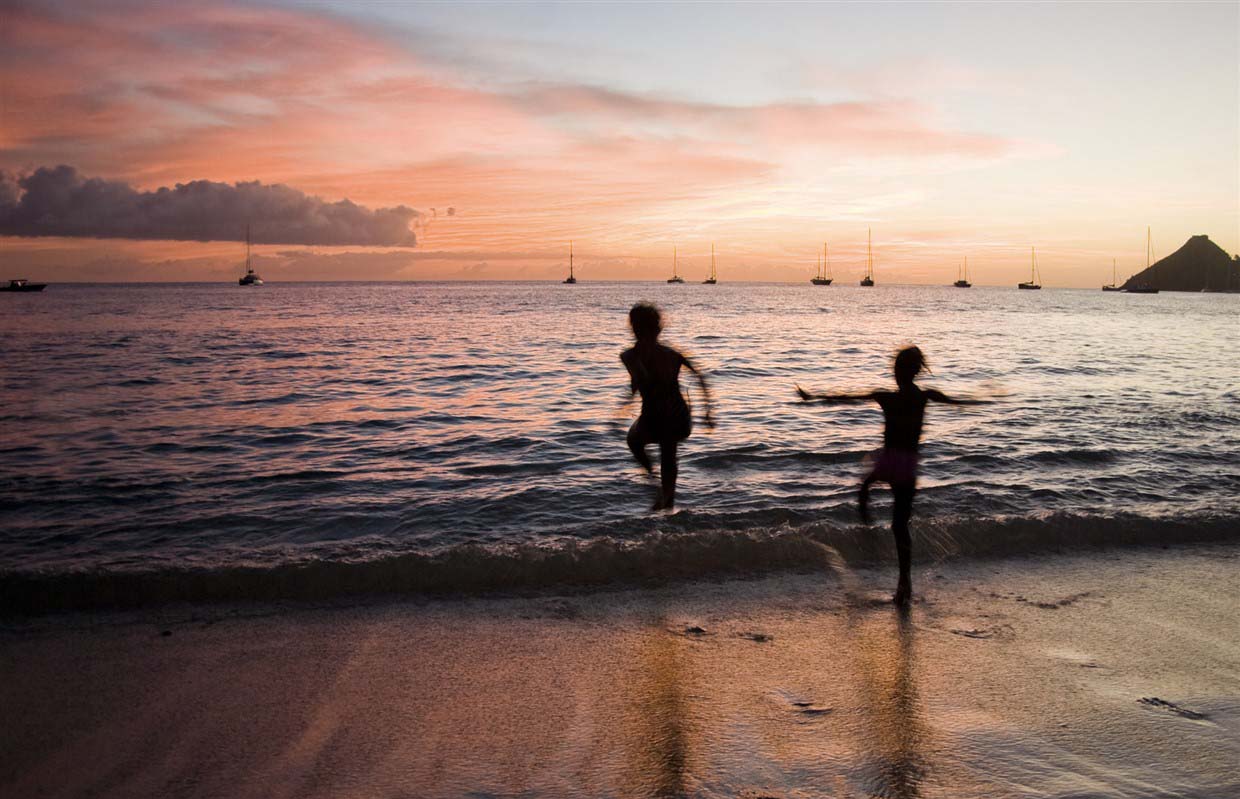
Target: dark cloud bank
<point x="60" y="202"/>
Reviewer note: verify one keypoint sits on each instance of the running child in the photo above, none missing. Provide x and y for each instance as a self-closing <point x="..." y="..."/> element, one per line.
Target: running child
<point x="665" y="419"/>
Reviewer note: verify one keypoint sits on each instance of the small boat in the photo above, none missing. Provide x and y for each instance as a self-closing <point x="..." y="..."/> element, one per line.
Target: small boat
<point x="1143" y="288"/>
<point x="962" y="277"/>
<point x="1112" y="286"/>
<point x="868" y="280"/>
<point x="823" y="276"/>
<point x="712" y="278"/>
<point x="22" y="284"/>
<point x="675" y="278"/>
<point x="251" y="277"/>
<point x="1035" y="277"/>
<point x="570" y="279"/>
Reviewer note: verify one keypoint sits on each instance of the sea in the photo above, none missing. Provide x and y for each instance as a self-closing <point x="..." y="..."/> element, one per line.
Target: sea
<point x="207" y="441"/>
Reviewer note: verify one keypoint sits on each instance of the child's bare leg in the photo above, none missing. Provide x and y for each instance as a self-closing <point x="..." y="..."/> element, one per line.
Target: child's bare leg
<point x="668" y="470"/>
<point x="901" y="514"/>
<point x="637" y="441"/>
<point x="863" y="498"/>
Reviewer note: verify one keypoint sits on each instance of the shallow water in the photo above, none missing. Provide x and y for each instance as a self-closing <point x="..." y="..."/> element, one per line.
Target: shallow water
<point x="157" y="427"/>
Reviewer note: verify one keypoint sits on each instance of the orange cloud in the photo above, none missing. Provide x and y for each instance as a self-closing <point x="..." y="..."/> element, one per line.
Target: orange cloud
<point x="164" y="94"/>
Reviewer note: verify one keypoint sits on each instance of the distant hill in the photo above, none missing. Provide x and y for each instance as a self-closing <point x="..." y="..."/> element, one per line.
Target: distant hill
<point x="1200" y="265"/>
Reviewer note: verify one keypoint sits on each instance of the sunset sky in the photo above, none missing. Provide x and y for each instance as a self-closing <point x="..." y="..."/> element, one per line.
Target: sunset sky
<point x="951" y="130"/>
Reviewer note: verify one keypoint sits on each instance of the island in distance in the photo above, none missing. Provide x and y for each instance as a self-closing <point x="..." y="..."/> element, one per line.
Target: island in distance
<point x="1199" y="265"/>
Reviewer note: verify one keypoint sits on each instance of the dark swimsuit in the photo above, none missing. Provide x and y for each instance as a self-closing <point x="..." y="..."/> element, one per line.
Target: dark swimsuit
<point x="665" y="414"/>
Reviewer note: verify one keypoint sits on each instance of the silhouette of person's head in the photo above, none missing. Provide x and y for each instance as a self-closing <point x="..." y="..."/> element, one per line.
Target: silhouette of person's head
<point x="646" y="321"/>
<point x="909" y="363"/>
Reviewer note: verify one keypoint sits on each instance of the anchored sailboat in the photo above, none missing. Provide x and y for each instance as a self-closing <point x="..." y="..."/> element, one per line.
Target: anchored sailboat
<point x="1144" y="288"/>
<point x="675" y="278"/>
<point x="571" y="278"/>
<point x="962" y="276"/>
<point x="868" y="280"/>
<point x="251" y="277"/>
<point x="712" y="278"/>
<point x="1035" y="277"/>
<point x="823" y="276"/>
<point x="1112" y="286"/>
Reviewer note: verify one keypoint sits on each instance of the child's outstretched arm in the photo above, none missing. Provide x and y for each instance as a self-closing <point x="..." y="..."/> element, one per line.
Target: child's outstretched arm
<point x="939" y="396"/>
<point x="709" y="417"/>
<point x="835" y="398"/>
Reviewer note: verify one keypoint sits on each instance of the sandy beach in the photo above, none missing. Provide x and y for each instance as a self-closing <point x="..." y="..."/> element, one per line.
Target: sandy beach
<point x="1102" y="675"/>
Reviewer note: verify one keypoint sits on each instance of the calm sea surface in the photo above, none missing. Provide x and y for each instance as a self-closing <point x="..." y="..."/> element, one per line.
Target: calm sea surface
<point x="404" y="434"/>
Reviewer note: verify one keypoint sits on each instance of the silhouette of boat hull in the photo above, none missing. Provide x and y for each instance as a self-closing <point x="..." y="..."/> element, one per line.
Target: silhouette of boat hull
<point x="821" y="281"/>
<point x="1030" y="286"/>
<point x="250" y="279"/>
<point x="570" y="280"/>
<point x="23" y="285"/>
<point x="963" y="284"/>
<point x="710" y="281"/>
<point x="1111" y="288"/>
<point x="675" y="280"/>
<point x="865" y="281"/>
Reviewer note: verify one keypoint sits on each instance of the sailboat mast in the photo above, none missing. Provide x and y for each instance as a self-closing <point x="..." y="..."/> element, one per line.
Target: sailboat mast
<point x="247" y="249"/>
<point x="570" y="258"/>
<point x="826" y="261"/>
<point x="712" y="260"/>
<point x="869" y="254"/>
<point x="673" y="260"/>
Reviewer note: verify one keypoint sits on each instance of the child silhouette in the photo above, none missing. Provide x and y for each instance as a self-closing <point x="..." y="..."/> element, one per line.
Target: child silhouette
<point x="665" y="419"/>
<point x="904" y="412"/>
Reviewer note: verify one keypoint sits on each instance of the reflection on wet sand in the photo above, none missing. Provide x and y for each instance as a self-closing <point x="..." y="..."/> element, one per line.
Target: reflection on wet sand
<point x="895" y="764"/>
<point x="657" y="733"/>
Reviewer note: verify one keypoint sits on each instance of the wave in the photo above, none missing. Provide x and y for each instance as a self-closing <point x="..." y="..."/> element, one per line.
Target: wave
<point x="655" y="558"/>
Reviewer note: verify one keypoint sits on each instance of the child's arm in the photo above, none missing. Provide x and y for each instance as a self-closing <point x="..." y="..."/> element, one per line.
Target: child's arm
<point x="939" y="396"/>
<point x="834" y="398"/>
<point x="708" y="418"/>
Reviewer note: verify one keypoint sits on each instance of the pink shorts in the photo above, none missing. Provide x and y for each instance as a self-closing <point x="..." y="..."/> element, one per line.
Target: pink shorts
<point x="896" y="467"/>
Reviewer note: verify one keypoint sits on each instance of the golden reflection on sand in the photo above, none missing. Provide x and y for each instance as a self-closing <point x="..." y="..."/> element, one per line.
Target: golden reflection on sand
<point x="896" y="761"/>
<point x="657" y="734"/>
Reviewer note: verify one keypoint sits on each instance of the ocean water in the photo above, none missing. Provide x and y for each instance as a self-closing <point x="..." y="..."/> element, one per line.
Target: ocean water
<point x="200" y="441"/>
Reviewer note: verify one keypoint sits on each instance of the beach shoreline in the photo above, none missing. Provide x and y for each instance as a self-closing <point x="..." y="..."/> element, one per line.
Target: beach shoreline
<point x="1113" y="673"/>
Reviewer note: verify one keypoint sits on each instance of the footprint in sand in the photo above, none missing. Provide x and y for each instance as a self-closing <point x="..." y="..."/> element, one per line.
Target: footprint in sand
<point x="760" y="638"/>
<point x="800" y="705"/>
<point x="1163" y="704"/>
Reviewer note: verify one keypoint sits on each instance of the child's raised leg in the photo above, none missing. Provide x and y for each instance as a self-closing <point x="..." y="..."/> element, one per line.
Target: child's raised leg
<point x="637" y="441"/>
<point x="863" y="498"/>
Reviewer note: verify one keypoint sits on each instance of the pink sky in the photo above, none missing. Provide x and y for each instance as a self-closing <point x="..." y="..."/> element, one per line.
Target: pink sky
<point x="344" y="107"/>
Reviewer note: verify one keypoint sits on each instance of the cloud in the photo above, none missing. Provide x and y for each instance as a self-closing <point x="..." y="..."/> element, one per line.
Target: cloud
<point x="58" y="201"/>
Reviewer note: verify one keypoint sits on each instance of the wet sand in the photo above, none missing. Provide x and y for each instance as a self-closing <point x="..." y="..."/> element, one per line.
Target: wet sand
<point x="1110" y="674"/>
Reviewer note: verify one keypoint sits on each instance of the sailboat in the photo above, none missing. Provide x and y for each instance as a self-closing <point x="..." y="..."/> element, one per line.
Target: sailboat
<point x="675" y="278"/>
<point x="823" y="276"/>
<point x="1035" y="277"/>
<point x="251" y="277"/>
<point x="1112" y="286"/>
<point x="962" y="276"/>
<point x="712" y="278"/>
<point x="1144" y="288"/>
<point x="868" y="280"/>
<point x="571" y="278"/>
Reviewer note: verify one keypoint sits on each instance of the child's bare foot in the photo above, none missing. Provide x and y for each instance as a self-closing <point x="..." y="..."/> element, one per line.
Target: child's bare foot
<point x="663" y="500"/>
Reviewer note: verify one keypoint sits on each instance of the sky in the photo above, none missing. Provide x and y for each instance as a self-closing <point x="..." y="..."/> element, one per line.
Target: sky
<point x="431" y="141"/>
